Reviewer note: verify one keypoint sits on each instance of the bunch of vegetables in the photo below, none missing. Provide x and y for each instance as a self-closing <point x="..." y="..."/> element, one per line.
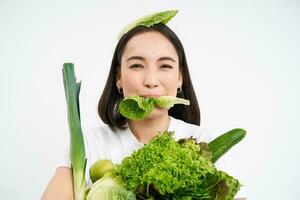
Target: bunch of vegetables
<point x="167" y="169"/>
<point x="162" y="169"/>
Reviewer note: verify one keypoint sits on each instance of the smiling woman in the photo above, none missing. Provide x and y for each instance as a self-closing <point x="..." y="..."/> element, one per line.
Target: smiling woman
<point x="153" y="73"/>
<point x="147" y="62"/>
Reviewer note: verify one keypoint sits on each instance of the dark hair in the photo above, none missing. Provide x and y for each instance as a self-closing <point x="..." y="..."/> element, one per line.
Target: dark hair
<point x="109" y="102"/>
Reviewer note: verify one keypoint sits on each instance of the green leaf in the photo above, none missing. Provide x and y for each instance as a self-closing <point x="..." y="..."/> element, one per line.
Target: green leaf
<point x="170" y="101"/>
<point x="204" y="150"/>
<point x="166" y="169"/>
<point x="77" y="150"/>
<point x="136" y="107"/>
<point x="149" y="20"/>
<point x="226" y="188"/>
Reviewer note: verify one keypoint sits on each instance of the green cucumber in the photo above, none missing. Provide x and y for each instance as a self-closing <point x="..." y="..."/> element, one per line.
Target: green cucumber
<point x="224" y="142"/>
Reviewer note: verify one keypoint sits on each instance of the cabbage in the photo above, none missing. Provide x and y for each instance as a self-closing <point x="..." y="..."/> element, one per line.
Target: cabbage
<point x="109" y="188"/>
<point x="106" y="185"/>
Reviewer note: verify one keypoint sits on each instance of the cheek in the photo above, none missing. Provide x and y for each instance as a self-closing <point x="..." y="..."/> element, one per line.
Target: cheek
<point x="171" y="79"/>
<point x="171" y="82"/>
<point x="130" y="84"/>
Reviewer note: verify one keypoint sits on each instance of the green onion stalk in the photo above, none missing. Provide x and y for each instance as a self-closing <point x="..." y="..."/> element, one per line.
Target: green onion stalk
<point x="77" y="150"/>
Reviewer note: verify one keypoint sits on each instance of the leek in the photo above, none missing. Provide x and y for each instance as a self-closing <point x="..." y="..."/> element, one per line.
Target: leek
<point x="77" y="151"/>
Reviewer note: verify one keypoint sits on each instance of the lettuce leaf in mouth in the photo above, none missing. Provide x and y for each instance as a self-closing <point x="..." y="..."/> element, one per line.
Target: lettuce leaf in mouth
<point x="170" y="101"/>
<point x="137" y="107"/>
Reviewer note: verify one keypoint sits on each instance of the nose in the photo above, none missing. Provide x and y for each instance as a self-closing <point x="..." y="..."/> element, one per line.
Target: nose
<point x="151" y="79"/>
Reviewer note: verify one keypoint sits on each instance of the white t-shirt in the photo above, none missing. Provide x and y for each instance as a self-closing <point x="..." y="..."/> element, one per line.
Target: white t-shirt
<point x="101" y="142"/>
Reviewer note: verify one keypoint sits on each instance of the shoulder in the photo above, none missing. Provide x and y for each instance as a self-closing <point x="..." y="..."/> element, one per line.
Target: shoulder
<point x="100" y="141"/>
<point x="183" y="129"/>
<point x="97" y="139"/>
<point x="99" y="133"/>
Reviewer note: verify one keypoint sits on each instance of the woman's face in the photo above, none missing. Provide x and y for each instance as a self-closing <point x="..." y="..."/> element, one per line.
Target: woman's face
<point x="149" y="68"/>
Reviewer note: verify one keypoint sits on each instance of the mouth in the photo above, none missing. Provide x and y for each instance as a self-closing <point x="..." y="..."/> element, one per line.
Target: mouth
<point x="151" y="95"/>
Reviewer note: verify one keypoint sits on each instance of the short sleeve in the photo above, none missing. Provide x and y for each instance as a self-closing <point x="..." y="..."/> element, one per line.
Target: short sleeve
<point x="64" y="154"/>
<point x="186" y="130"/>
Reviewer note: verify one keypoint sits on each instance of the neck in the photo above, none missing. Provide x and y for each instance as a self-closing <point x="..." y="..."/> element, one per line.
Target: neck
<point x="144" y="130"/>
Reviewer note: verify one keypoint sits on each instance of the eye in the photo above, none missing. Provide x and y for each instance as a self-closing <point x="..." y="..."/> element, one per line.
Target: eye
<point x="166" y="66"/>
<point x="135" y="66"/>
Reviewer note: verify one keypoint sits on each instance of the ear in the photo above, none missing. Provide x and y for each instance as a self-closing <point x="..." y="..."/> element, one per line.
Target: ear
<point x="119" y="80"/>
<point x="119" y="84"/>
<point x="180" y="79"/>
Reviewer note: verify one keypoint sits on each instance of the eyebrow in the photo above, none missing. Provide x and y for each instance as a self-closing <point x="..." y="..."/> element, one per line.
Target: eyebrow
<point x="143" y="59"/>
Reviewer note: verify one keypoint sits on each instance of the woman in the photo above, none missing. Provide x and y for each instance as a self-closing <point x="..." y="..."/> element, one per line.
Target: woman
<point x="148" y="62"/>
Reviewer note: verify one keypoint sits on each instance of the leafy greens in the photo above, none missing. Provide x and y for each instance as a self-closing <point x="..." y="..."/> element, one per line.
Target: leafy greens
<point x="149" y="20"/>
<point x="136" y="107"/>
<point x="166" y="169"/>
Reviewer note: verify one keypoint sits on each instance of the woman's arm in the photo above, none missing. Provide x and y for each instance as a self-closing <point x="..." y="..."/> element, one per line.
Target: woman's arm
<point x="60" y="186"/>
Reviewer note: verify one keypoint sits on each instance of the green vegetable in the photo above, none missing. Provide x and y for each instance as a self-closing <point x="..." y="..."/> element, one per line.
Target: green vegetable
<point x="166" y="169"/>
<point x="109" y="188"/>
<point x="149" y="20"/>
<point x="224" y="142"/>
<point x="77" y="151"/>
<point x="170" y="101"/>
<point x="136" y="107"/>
<point x="162" y="169"/>
<point x="99" y="168"/>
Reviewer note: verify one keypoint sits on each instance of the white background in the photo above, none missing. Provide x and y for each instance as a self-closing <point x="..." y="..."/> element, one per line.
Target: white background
<point x="243" y="58"/>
